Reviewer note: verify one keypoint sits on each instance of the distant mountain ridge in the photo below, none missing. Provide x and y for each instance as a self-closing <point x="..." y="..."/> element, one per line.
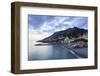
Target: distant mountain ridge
<point x="66" y="36"/>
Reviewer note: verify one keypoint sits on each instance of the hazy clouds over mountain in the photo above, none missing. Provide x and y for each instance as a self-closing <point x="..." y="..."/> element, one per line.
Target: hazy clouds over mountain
<point x="50" y="24"/>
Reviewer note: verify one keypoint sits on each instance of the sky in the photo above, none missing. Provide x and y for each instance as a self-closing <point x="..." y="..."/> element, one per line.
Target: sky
<point x="43" y="26"/>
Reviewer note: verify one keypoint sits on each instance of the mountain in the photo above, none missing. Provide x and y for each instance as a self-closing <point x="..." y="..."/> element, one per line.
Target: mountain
<point x="75" y="35"/>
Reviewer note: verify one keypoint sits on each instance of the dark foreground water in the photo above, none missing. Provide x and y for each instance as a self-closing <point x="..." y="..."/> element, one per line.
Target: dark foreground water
<point x="49" y="52"/>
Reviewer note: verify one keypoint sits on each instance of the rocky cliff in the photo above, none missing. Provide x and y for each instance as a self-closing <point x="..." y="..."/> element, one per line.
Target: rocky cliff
<point x="76" y="36"/>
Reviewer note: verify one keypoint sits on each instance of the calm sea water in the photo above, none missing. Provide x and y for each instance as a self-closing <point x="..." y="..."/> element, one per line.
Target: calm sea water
<point x="49" y="52"/>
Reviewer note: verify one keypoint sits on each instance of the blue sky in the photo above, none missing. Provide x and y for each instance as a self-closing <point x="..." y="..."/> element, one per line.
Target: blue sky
<point x="47" y="25"/>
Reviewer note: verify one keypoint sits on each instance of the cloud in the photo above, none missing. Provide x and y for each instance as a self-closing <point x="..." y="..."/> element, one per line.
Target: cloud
<point x="36" y="21"/>
<point x="50" y="24"/>
<point x="81" y="22"/>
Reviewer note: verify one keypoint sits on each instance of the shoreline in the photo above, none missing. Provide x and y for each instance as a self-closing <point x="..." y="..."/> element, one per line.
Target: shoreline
<point x="79" y="53"/>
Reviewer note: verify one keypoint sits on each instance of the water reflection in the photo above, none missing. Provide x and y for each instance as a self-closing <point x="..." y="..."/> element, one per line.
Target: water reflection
<point x="48" y="52"/>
